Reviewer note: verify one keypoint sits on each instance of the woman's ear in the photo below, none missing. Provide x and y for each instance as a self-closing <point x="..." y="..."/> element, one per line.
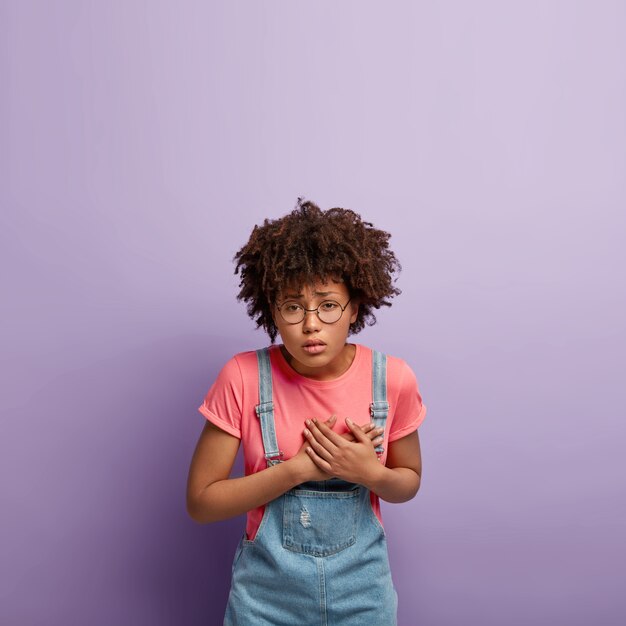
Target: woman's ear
<point x="354" y="310"/>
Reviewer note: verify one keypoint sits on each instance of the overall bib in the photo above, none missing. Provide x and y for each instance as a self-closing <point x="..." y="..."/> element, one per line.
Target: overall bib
<point x="319" y="557"/>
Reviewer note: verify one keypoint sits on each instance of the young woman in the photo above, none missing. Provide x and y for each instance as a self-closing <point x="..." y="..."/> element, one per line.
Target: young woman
<point x="328" y="428"/>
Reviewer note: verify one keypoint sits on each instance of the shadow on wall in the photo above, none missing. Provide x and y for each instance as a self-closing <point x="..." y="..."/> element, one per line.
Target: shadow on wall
<point x="107" y="539"/>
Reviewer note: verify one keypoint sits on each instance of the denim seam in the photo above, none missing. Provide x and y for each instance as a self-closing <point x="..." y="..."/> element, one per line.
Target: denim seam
<point x="322" y="583"/>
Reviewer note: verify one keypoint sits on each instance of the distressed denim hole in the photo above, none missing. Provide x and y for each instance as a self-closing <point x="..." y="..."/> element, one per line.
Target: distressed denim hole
<point x="320" y="523"/>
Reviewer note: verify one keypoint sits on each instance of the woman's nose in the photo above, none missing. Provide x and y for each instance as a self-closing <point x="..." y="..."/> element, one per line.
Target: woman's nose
<point x="310" y="322"/>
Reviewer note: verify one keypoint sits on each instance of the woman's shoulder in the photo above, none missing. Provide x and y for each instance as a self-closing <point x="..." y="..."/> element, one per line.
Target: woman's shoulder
<point x="394" y="363"/>
<point x="244" y="358"/>
<point x="247" y="363"/>
<point x="243" y="363"/>
<point x="399" y="373"/>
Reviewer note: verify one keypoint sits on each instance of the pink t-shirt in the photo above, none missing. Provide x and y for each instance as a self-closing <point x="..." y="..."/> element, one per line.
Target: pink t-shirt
<point x="230" y="405"/>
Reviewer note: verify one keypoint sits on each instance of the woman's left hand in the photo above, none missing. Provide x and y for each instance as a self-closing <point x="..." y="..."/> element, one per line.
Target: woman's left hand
<point x="354" y="461"/>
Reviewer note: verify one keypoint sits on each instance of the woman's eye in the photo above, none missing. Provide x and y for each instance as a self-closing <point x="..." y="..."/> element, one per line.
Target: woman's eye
<point x="292" y="308"/>
<point x="329" y="306"/>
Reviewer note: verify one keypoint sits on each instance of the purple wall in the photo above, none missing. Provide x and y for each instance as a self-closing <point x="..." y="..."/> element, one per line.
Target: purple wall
<point x="139" y="144"/>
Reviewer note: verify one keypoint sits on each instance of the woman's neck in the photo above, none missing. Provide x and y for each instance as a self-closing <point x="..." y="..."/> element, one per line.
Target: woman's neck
<point x="330" y="371"/>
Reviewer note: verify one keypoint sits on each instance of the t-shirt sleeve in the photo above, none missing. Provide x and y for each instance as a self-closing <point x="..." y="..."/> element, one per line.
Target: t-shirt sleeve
<point x="223" y="402"/>
<point x="410" y="411"/>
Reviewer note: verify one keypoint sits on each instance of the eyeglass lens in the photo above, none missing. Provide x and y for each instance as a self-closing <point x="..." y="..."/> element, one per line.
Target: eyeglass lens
<point x="328" y="311"/>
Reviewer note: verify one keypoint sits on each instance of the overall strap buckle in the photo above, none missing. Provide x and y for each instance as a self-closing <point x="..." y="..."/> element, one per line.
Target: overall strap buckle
<point x="274" y="457"/>
<point x="379" y="409"/>
<point x="263" y="408"/>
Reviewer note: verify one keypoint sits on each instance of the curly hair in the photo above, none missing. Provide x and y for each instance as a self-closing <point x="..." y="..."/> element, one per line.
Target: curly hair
<point x="309" y="244"/>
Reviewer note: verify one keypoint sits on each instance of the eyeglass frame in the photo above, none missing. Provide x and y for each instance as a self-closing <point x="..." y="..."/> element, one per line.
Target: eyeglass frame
<point x="316" y="309"/>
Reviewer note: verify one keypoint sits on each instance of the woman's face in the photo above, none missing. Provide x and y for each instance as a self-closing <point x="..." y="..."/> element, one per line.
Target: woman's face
<point x="317" y="349"/>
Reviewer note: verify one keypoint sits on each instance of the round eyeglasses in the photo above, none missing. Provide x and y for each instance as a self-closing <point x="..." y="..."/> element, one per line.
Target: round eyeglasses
<point x="328" y="311"/>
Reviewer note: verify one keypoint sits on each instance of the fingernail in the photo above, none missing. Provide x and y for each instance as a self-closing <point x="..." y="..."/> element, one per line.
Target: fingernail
<point x="307" y="422"/>
<point x="307" y="431"/>
<point x="348" y="421"/>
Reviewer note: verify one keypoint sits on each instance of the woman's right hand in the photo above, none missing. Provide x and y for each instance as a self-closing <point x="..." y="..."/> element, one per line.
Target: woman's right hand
<point x="309" y="470"/>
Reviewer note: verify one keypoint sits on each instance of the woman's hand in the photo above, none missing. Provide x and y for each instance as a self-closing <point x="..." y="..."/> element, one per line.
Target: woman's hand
<point x="352" y="460"/>
<point x="305" y="467"/>
<point x="306" y="463"/>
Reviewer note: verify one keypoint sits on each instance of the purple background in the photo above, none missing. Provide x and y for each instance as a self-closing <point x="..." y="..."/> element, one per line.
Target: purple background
<point x="139" y="144"/>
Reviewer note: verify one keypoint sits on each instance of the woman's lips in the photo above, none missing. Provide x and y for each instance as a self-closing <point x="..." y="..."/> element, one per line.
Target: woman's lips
<point x="314" y="348"/>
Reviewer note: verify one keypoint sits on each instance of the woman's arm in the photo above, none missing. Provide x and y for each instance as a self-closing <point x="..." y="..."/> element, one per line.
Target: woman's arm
<point x="213" y="496"/>
<point x="400" y="479"/>
<point x="355" y="461"/>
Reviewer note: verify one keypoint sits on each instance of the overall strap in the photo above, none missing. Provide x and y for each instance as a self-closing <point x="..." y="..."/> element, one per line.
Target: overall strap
<point x="265" y="408"/>
<point x="379" y="408"/>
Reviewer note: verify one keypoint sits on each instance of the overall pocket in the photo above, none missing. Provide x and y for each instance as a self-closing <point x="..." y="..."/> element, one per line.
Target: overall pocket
<point x="320" y="523"/>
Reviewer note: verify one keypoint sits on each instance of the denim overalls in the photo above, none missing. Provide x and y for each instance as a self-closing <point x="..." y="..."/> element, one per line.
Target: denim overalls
<point x="319" y="557"/>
